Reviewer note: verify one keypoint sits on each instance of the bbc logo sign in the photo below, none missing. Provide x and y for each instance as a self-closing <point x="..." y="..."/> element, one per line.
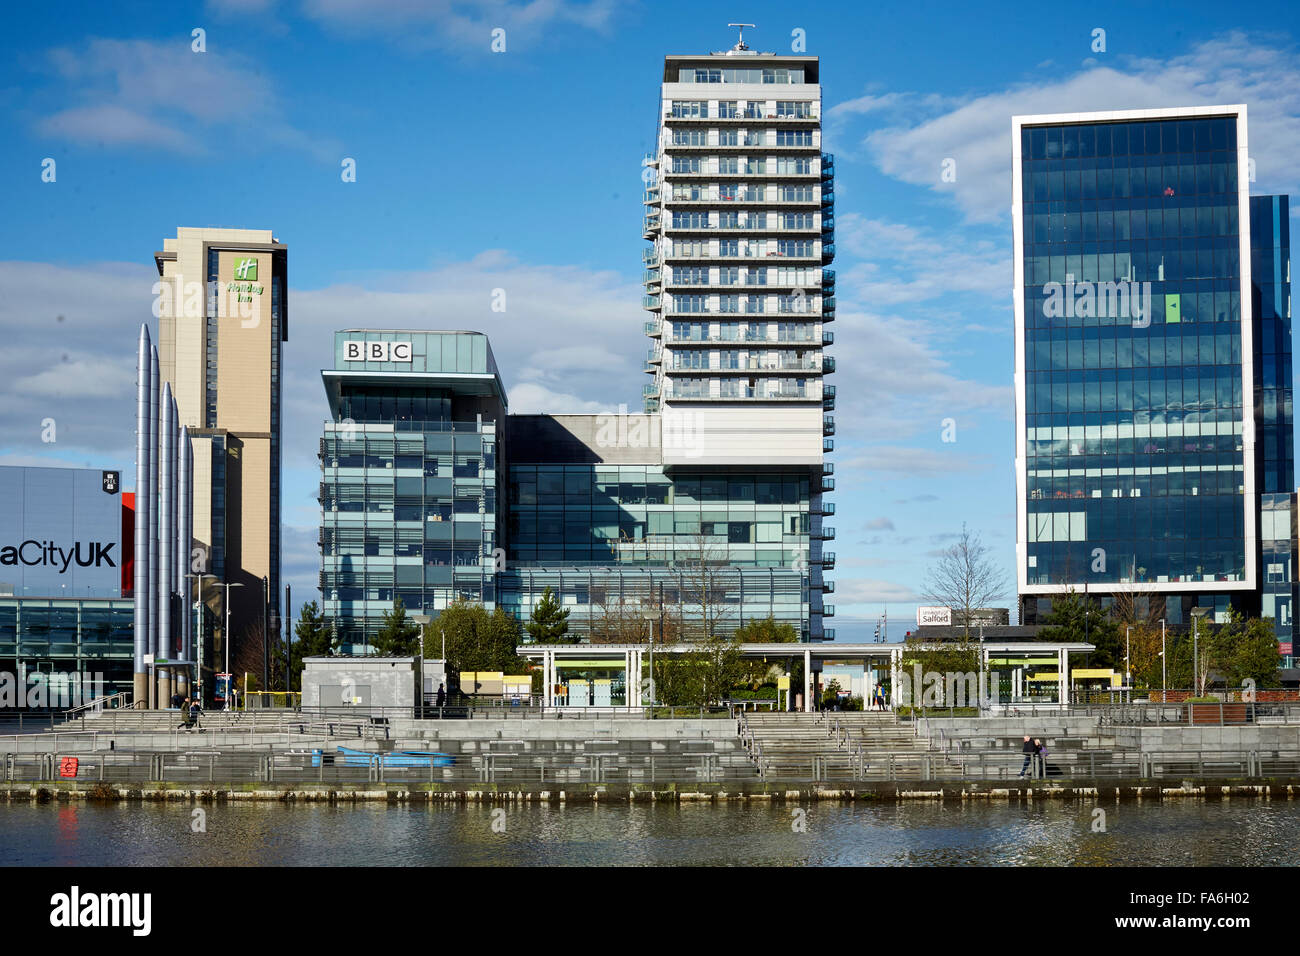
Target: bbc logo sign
<point x="376" y="351"/>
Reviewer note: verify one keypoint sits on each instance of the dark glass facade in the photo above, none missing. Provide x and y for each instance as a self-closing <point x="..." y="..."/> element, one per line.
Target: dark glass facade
<point x="49" y="639"/>
<point x="1270" y="276"/>
<point x="1133" y="353"/>
<point x="638" y="514"/>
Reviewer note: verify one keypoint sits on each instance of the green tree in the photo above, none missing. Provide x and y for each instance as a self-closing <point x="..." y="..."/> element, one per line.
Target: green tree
<point x="398" y="636"/>
<point x="1077" y="619"/>
<point x="549" y="622"/>
<point x="477" y="640"/>
<point x="1242" y="648"/>
<point x="314" y="635"/>
<point x="723" y="667"/>
<point x="767" y="631"/>
<point x="957" y="656"/>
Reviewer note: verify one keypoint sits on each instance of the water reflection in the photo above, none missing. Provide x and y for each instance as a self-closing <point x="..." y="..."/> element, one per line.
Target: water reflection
<point x="1055" y="834"/>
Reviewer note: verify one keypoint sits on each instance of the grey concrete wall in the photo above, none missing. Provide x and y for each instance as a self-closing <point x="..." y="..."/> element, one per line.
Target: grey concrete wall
<point x="391" y="680"/>
<point x="1185" y="738"/>
<point x="1011" y="726"/>
<point x="565" y="729"/>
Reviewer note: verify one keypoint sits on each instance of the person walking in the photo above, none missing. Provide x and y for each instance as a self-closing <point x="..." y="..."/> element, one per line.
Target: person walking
<point x="185" y="714"/>
<point x="194" y="711"/>
<point x="1027" y="748"/>
<point x="441" y="699"/>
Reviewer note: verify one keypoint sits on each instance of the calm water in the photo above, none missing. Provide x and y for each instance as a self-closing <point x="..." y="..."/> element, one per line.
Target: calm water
<point x="1055" y="834"/>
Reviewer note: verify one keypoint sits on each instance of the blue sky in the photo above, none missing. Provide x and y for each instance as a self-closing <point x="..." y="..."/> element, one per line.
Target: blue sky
<point x="521" y="171"/>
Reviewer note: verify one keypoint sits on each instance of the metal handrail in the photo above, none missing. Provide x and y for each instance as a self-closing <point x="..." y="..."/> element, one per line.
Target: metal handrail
<point x="123" y="699"/>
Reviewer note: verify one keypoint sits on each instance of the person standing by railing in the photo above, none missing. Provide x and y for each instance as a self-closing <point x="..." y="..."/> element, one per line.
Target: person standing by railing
<point x="1027" y="748"/>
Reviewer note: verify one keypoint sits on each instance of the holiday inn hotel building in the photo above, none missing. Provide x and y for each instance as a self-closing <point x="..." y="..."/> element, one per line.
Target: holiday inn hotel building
<point x="1153" y="366"/>
<point x="222" y="322"/>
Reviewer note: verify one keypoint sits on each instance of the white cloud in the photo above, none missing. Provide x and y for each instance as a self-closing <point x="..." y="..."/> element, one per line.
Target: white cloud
<point x="123" y="93"/>
<point x="461" y="26"/>
<point x="1234" y="68"/>
<point x="872" y="591"/>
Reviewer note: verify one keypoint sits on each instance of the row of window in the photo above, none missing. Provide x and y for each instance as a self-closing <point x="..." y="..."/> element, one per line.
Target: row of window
<point x="794" y="332"/>
<point x="1164" y="261"/>
<point x="647" y="485"/>
<point x="754" y="304"/>
<point x="1129" y="138"/>
<point x="1200" y="484"/>
<point x="1043" y="224"/>
<point x="743" y="248"/>
<point x="1221" y="395"/>
<point x="1121" y="306"/>
<point x="736" y="192"/>
<point x="1051" y="442"/>
<point x="739" y="388"/>
<point x="563" y="529"/>
<point x="1160" y="346"/>
<point x="751" y="275"/>
<point x="741" y="137"/>
<point x="734" y="359"/>
<point x="735" y="220"/>
<point x="780" y="76"/>
<point x="739" y="166"/>
<point x="1040" y="183"/>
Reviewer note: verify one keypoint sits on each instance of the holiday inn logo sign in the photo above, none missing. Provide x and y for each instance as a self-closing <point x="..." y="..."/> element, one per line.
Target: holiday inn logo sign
<point x="245" y="285"/>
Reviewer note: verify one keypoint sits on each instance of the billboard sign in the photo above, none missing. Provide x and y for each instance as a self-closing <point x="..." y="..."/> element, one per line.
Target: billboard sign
<point x="61" y="532"/>
<point x="934" y="617"/>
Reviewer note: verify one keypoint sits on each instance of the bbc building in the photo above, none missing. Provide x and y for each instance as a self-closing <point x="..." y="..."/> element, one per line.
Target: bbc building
<point x="431" y="492"/>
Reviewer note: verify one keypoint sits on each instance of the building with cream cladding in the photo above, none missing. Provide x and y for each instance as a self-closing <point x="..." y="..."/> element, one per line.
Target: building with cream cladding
<point x="740" y="213"/>
<point x="703" y="514"/>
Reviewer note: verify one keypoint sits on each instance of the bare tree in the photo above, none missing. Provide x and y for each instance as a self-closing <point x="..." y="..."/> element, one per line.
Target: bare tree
<point x="704" y="589"/>
<point x="965" y="578"/>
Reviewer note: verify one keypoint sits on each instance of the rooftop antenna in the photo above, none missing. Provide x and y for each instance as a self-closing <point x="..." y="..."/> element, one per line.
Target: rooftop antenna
<point x="740" y="43"/>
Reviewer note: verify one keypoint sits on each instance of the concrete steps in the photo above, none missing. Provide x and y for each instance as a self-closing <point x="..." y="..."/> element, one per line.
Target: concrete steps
<point x="836" y="746"/>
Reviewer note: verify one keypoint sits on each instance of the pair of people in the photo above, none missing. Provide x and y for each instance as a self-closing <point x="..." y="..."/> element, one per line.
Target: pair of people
<point x="1031" y="748"/>
<point x="190" y="709"/>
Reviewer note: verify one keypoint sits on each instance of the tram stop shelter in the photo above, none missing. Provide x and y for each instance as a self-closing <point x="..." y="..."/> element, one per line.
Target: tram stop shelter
<point x="610" y="676"/>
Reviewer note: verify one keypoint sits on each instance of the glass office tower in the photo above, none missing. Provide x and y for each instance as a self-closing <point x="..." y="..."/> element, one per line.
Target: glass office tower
<point x="409" y="476"/>
<point x="1270" y="273"/>
<point x="610" y="536"/>
<point x="1138" y="363"/>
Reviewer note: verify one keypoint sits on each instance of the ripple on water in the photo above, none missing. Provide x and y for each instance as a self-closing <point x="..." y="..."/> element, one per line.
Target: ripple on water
<point x="922" y="834"/>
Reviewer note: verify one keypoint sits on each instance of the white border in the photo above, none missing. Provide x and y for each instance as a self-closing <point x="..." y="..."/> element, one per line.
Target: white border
<point x="1247" y="348"/>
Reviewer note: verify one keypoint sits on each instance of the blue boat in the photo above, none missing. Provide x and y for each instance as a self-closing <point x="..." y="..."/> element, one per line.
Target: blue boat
<point x="388" y="759"/>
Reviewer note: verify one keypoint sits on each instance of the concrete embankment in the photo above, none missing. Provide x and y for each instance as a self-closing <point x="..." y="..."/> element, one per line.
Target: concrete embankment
<point x="757" y="793"/>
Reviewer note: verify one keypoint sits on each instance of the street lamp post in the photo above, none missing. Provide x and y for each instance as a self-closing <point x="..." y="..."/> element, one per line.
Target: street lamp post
<point x="649" y="612"/>
<point x="229" y="585"/>
<point x="422" y="620"/>
<point x="1164" y="661"/>
<point x="198" y="619"/>
<point x="1197" y="614"/>
<point x="1128" y="668"/>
